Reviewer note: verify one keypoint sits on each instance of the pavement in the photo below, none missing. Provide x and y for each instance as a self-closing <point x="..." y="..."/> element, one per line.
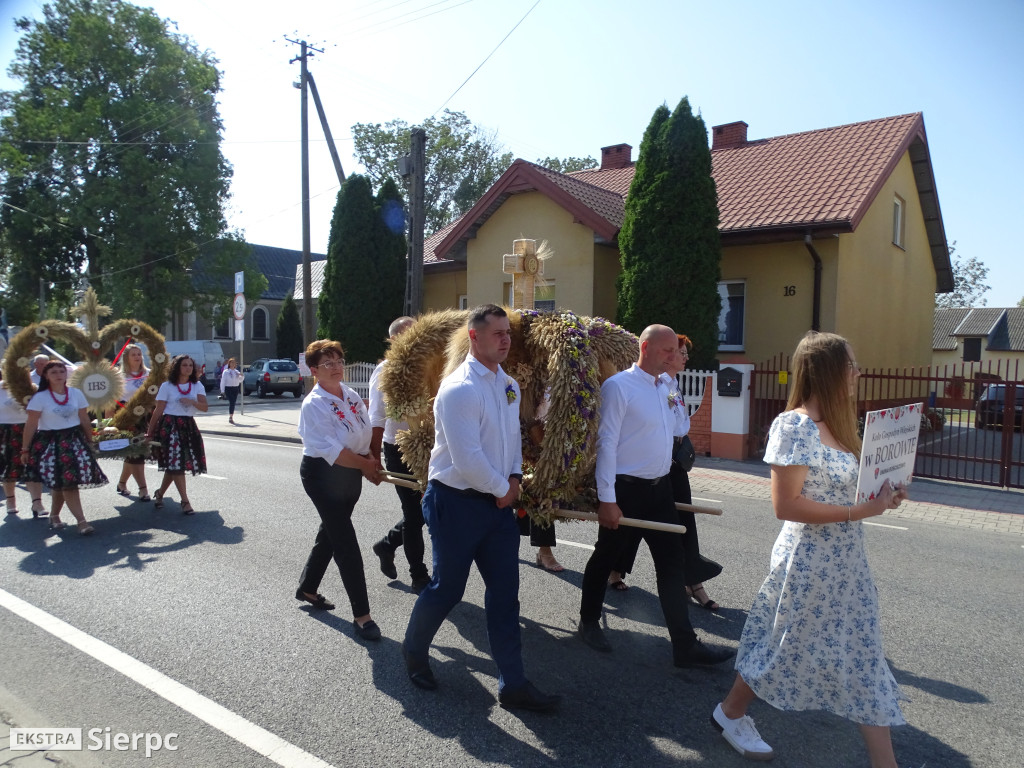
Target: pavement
<point x="936" y="501"/>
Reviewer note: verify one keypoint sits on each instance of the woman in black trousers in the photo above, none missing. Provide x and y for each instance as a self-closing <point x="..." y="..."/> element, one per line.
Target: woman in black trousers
<point x="335" y="431"/>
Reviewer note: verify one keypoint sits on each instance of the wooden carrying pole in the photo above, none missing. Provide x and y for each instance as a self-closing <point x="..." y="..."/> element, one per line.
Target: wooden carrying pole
<point x="669" y="527"/>
<point x="697" y="510"/>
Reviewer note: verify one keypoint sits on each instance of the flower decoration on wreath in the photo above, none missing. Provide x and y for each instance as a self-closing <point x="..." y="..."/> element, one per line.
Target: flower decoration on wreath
<point x="99" y="381"/>
<point x="566" y="356"/>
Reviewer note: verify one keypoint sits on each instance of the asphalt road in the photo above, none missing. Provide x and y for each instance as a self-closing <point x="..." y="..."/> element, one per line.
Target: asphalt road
<point x="207" y="602"/>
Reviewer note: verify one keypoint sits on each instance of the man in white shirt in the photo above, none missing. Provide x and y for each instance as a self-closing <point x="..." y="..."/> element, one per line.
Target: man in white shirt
<point x="473" y="480"/>
<point x="407" y="532"/>
<point x="634" y="455"/>
<point x="38" y="363"/>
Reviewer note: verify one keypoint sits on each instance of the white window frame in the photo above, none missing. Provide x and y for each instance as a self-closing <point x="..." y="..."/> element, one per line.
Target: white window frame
<point x="899" y="215"/>
<point x="463" y="301"/>
<point x="723" y="291"/>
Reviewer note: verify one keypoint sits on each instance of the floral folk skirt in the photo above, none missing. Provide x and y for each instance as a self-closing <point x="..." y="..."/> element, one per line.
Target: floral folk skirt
<point x="63" y="458"/>
<point x="181" y="446"/>
<point x="11" y="467"/>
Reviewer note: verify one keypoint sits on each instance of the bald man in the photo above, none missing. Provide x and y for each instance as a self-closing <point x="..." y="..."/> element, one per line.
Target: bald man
<point x="634" y="454"/>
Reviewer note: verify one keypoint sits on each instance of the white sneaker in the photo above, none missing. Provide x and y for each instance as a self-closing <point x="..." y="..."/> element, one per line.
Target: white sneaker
<point x="742" y="734"/>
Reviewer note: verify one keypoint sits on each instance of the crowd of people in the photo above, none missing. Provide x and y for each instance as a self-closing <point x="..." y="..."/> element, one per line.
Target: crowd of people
<point x="811" y="640"/>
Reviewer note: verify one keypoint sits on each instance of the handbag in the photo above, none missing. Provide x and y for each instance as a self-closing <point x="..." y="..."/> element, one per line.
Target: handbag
<point x="683" y="453"/>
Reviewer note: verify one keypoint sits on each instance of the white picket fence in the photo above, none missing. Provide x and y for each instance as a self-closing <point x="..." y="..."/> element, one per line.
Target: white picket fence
<point x="357" y="376"/>
<point x="691" y="385"/>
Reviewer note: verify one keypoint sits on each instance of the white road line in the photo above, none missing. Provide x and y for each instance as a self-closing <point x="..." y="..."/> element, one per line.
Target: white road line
<point x="883" y="525"/>
<point x="255" y="441"/>
<point x="258" y="739"/>
<point x="212" y="477"/>
<point x="712" y="501"/>
<point x="573" y="544"/>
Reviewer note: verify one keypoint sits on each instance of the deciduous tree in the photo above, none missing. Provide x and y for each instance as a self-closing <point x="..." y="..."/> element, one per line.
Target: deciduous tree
<point x="110" y="161"/>
<point x="669" y="243"/>
<point x="969" y="286"/>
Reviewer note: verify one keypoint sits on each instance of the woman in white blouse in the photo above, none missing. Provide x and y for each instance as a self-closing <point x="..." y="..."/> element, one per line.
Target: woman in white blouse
<point x="12" y="427"/>
<point x="230" y="383"/>
<point x="57" y="447"/>
<point x="335" y="430"/>
<point x="134" y="372"/>
<point x="173" y="425"/>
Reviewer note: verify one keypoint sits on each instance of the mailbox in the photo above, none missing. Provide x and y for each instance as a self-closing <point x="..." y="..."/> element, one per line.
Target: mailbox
<point x="730" y="382"/>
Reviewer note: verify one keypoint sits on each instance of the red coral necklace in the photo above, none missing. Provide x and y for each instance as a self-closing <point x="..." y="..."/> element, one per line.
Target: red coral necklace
<point x="67" y="395"/>
<point x="184" y="391"/>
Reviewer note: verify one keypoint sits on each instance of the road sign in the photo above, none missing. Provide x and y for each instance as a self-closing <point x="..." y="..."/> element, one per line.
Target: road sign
<point x="239" y="282"/>
<point x="239" y="306"/>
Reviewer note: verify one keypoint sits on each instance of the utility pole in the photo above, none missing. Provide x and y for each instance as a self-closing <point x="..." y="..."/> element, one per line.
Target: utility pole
<point x="417" y="216"/>
<point x="308" y="331"/>
<point x="327" y="129"/>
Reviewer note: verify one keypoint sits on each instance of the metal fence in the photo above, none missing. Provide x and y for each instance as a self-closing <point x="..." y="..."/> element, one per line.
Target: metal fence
<point x="357" y="376"/>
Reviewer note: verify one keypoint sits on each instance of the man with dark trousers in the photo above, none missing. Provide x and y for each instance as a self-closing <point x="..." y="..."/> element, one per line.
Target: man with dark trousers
<point x="472" y="482"/>
<point x="407" y="532"/>
<point x="634" y="454"/>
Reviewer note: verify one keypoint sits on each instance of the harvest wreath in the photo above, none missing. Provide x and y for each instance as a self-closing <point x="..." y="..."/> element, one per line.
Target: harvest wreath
<point x="559" y="360"/>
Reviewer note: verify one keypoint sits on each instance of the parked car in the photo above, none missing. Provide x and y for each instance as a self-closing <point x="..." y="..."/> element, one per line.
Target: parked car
<point x="992" y="405"/>
<point x="267" y="376"/>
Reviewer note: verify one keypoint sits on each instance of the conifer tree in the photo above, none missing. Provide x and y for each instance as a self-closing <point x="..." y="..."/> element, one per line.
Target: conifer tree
<point x="289" y="330"/>
<point x="669" y="243"/>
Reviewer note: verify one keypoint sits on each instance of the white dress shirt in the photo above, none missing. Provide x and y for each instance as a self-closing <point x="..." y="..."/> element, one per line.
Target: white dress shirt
<point x="174" y="394"/>
<point x="230" y="377"/>
<point x="682" y="413"/>
<point x="329" y="424"/>
<point x="378" y="408"/>
<point x="476" y="429"/>
<point x="637" y="426"/>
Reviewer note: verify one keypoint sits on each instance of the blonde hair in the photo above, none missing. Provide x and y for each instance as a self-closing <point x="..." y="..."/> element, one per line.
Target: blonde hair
<point x="124" y="358"/>
<point x="821" y="372"/>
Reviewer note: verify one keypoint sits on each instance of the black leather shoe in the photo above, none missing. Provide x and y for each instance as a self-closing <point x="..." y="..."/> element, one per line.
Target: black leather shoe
<point x="369" y="630"/>
<point x="387" y="559"/>
<point x="528" y="697"/>
<point x="700" y="655"/>
<point x="419" y="672"/>
<point x="590" y="632"/>
<point x="320" y="602"/>
<point x="420" y="583"/>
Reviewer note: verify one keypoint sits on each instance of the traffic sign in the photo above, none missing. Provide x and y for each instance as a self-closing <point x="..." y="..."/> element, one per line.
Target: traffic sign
<point x="239" y="306"/>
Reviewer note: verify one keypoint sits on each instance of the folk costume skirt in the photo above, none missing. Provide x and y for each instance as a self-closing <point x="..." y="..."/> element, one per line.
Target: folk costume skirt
<point x="63" y="458"/>
<point x="11" y="467"/>
<point x="181" y="447"/>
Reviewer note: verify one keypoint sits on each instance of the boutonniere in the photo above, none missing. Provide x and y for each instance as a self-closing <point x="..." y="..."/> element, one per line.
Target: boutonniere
<point x="510" y="391"/>
<point x="674" y="399"/>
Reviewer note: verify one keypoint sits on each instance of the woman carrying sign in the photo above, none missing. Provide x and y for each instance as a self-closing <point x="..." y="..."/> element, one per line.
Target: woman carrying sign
<point x="812" y="639"/>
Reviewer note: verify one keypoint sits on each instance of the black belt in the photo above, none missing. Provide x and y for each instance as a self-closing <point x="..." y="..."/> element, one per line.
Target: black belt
<point x="631" y="480"/>
<point x="471" y="493"/>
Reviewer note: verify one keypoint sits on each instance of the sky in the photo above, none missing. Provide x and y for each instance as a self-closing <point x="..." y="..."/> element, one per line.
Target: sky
<point x="566" y="77"/>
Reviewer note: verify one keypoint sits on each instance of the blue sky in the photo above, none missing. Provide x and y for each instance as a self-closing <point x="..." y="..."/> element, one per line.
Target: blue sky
<point x="577" y="75"/>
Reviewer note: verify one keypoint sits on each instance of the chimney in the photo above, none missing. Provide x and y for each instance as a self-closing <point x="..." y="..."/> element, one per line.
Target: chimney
<point x="729" y="135"/>
<point x="616" y="156"/>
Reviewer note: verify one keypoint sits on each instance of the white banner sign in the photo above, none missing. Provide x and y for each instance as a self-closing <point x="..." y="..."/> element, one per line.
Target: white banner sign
<point x="239" y="330"/>
<point x="890" y="448"/>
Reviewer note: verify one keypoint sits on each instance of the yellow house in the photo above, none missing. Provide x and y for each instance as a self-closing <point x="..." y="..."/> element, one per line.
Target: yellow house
<point x="837" y="229"/>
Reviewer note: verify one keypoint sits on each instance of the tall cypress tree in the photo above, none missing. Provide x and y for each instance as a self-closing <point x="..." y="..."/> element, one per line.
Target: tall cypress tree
<point x="289" y="330"/>
<point x="364" y="278"/>
<point x="669" y="243"/>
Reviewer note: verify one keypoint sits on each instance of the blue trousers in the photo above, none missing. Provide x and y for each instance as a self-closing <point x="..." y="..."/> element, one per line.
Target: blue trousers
<point x="464" y="530"/>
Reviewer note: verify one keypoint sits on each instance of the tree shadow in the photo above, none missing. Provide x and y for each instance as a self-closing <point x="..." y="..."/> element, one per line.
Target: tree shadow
<point x="136" y="536"/>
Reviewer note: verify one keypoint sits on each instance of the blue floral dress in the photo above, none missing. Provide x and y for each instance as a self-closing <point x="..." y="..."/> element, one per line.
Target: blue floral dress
<point x="812" y="639"/>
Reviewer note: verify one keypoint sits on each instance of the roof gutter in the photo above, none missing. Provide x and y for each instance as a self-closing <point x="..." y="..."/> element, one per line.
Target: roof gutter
<point x="816" y="311"/>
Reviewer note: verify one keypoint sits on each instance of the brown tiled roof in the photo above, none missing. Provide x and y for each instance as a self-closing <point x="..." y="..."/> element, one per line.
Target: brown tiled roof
<point x="946" y="321"/>
<point x="979" y="322"/>
<point x="608" y="204"/>
<point x="431" y="243"/>
<point x="614" y="179"/>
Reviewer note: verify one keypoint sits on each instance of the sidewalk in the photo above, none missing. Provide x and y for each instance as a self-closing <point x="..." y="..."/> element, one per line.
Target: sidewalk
<point x="936" y="501"/>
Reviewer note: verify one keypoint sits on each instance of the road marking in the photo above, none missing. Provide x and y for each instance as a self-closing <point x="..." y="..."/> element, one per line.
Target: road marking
<point x="883" y="525"/>
<point x="573" y="544"/>
<point x="212" y="477"/>
<point x="254" y="441"/>
<point x="258" y="739"/>
<point x="712" y="501"/>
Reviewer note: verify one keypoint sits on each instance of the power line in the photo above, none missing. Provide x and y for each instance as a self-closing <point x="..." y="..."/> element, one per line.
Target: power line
<point x="506" y="37"/>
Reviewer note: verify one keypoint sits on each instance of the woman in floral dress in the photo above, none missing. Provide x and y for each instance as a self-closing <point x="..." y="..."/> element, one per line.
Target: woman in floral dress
<point x="173" y="425"/>
<point x="335" y="430"/>
<point x="57" y="446"/>
<point x="135" y="373"/>
<point x="12" y="427"/>
<point x="812" y="639"/>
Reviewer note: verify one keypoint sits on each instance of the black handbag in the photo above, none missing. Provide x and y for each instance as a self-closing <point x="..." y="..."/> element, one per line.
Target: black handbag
<point x="683" y="453"/>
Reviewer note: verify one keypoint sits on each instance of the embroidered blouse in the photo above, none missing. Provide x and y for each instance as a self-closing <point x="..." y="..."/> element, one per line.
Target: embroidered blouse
<point x="329" y="424"/>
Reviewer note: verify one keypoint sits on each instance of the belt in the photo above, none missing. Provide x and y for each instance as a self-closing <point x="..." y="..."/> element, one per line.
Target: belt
<point x="631" y="480"/>
<point x="471" y="493"/>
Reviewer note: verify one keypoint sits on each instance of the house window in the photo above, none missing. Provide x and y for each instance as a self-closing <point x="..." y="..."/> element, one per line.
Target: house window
<point x="730" y="321"/>
<point x="463" y="301"/>
<point x="972" y="350"/>
<point x="543" y="296"/>
<point x="221" y="325"/>
<point x="259" y="324"/>
<point x="898" y="208"/>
